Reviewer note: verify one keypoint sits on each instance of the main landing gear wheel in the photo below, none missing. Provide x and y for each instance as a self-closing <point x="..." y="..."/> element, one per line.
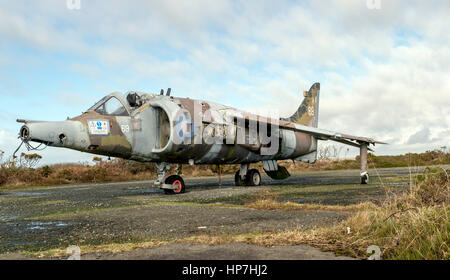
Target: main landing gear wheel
<point x="252" y="178"/>
<point x="176" y="181"/>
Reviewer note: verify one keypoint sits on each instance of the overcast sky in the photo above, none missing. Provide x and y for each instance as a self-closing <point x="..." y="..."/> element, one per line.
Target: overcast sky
<point x="384" y="73"/>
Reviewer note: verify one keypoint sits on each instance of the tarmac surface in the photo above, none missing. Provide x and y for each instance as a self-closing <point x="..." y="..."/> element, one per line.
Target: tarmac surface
<point x="41" y="218"/>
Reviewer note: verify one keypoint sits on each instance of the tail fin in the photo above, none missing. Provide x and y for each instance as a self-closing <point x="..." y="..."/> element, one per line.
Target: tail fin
<point x="308" y="112"/>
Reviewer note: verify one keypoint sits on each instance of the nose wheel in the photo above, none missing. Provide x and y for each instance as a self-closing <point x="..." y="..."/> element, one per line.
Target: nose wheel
<point x="177" y="183"/>
<point x="173" y="184"/>
<point x="251" y="178"/>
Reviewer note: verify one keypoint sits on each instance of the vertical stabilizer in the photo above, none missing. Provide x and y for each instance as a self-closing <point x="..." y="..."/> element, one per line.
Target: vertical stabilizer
<point x="308" y="111"/>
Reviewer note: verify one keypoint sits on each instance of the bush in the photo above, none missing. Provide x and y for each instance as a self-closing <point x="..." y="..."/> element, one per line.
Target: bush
<point x="29" y="160"/>
<point x="3" y="175"/>
<point x="431" y="187"/>
<point x="46" y="171"/>
<point x="65" y="174"/>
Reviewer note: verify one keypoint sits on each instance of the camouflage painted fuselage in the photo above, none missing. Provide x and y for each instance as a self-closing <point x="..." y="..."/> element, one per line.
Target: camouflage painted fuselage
<point x="148" y="132"/>
<point x="147" y="135"/>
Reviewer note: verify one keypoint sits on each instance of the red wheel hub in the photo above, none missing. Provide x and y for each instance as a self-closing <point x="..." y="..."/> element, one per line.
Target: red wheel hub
<point x="179" y="185"/>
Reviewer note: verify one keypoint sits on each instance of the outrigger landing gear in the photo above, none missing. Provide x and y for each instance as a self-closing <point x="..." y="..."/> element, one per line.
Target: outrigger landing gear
<point x="363" y="163"/>
<point x="173" y="184"/>
<point x="247" y="177"/>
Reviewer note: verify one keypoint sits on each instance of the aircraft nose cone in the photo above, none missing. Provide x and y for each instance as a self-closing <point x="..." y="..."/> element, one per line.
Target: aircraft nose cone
<point x="69" y="134"/>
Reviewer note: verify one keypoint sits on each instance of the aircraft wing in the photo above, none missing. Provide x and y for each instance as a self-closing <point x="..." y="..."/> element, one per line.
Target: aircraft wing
<point x="319" y="133"/>
<point x="323" y="134"/>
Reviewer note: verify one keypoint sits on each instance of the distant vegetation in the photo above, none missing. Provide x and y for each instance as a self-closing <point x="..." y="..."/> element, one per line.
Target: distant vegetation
<point x="23" y="172"/>
<point x="329" y="160"/>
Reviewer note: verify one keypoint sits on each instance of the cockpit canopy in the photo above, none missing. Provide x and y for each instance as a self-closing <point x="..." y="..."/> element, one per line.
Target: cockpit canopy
<point x="116" y="104"/>
<point x="110" y="105"/>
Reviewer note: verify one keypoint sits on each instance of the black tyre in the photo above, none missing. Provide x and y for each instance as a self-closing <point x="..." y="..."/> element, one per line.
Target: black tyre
<point x="238" y="180"/>
<point x="253" y="178"/>
<point x="175" y="180"/>
<point x="364" y="179"/>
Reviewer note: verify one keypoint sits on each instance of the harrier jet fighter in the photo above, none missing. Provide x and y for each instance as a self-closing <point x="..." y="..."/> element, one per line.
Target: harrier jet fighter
<point x="166" y="130"/>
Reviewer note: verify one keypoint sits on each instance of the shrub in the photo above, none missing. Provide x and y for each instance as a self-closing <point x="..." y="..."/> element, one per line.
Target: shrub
<point x="65" y="174"/>
<point x="3" y="175"/>
<point x="46" y="171"/>
<point x="430" y="188"/>
<point x="29" y="160"/>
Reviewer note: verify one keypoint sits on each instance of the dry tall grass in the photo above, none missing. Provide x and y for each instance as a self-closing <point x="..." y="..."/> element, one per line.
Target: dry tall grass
<point x="115" y="170"/>
<point x="413" y="225"/>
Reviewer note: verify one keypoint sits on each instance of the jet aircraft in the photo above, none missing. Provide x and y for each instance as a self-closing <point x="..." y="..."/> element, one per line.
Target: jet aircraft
<point x="166" y="130"/>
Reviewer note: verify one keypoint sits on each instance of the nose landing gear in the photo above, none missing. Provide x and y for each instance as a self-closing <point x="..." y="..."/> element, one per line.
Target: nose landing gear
<point x="175" y="181"/>
<point x="173" y="184"/>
